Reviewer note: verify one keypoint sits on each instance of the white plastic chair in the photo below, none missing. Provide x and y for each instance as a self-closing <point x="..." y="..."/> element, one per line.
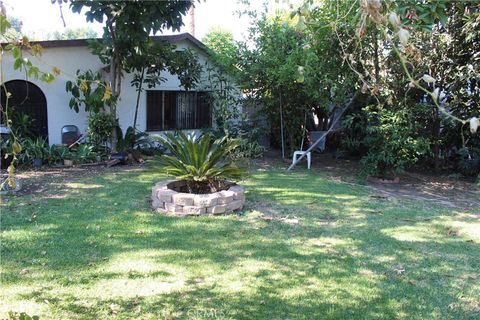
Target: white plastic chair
<point x="298" y="154"/>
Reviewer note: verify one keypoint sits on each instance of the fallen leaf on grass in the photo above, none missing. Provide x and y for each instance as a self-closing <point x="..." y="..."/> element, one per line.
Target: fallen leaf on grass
<point x="114" y="308"/>
<point x="399" y="269"/>
<point x="452" y="233"/>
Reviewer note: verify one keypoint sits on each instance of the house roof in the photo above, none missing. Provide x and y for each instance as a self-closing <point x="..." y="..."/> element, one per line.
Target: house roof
<point x="175" y="38"/>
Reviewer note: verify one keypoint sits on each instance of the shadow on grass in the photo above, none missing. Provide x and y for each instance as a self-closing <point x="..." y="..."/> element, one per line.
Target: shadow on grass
<point x="100" y="252"/>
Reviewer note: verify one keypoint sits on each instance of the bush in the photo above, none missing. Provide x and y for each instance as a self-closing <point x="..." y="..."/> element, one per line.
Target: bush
<point x="100" y="128"/>
<point x="65" y="153"/>
<point x="147" y="145"/>
<point x="21" y="125"/>
<point x="469" y="162"/>
<point x="5" y="151"/>
<point x="84" y="154"/>
<point x="392" y="143"/>
<point x="52" y="155"/>
<point x="354" y="132"/>
<point x="33" y="149"/>
<point x="199" y="160"/>
<point x="246" y="135"/>
<point x="138" y="142"/>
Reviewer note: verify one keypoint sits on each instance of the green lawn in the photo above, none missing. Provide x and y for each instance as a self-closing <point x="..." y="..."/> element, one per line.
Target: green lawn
<point x="306" y="247"/>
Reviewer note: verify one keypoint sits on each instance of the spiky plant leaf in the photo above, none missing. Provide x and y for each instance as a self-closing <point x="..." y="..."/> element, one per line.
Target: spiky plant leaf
<point x="199" y="158"/>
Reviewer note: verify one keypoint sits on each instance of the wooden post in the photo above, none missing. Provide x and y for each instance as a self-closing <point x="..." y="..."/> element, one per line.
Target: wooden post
<point x="281" y="127"/>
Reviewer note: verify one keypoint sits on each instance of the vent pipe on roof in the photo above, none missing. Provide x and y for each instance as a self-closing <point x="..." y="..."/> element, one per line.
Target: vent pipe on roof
<point x="191" y="20"/>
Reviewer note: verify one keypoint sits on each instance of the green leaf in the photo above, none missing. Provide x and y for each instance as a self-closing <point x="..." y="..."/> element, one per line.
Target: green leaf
<point x="17" y="65"/>
<point x="33" y="72"/>
<point x="4" y="24"/>
<point x="17" y="53"/>
<point x="76" y="92"/>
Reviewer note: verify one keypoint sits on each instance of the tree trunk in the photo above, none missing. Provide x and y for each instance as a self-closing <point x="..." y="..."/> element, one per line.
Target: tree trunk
<point x="114" y="66"/>
<point x="435" y="138"/>
<point x="291" y="138"/>
<point x="281" y="127"/>
<point x="376" y="58"/>
<point x="139" y="92"/>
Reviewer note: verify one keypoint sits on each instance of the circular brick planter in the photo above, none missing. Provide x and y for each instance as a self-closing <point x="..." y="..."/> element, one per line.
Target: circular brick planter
<point x="166" y="200"/>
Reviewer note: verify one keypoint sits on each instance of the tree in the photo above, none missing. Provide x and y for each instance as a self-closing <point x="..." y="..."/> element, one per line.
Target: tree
<point x="295" y="70"/>
<point x="159" y="56"/>
<point x="417" y="63"/>
<point x="73" y="33"/>
<point x="127" y="28"/>
<point x="224" y="49"/>
<point x="89" y="90"/>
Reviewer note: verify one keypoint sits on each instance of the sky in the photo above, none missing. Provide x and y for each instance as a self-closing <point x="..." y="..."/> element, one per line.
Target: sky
<point x="40" y="17"/>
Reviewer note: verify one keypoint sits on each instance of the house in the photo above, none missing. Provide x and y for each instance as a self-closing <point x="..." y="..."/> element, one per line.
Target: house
<point x="165" y="107"/>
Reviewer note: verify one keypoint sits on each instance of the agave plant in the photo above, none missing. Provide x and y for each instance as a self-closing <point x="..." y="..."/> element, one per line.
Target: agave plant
<point x="199" y="160"/>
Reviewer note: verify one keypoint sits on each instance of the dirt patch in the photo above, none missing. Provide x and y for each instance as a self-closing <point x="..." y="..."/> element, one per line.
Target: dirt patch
<point x="443" y="190"/>
<point x="49" y="182"/>
<point x="199" y="187"/>
<point x="446" y="190"/>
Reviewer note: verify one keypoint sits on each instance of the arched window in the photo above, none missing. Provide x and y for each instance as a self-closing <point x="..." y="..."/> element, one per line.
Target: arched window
<point x="26" y="99"/>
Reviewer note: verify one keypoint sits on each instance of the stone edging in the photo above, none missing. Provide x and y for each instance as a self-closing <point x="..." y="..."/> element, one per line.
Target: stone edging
<point x="166" y="200"/>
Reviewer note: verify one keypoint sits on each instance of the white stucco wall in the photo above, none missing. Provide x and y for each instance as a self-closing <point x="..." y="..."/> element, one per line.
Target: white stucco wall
<point x="69" y="60"/>
<point x="58" y="111"/>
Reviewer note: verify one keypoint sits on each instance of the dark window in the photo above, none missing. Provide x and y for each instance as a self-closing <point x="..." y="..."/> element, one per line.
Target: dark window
<point x="170" y="110"/>
<point x="26" y="100"/>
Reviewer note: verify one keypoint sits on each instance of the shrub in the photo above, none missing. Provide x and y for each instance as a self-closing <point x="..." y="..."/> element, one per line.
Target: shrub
<point x="392" y="143"/>
<point x="469" y="162"/>
<point x="84" y="153"/>
<point x="245" y="134"/>
<point x="21" y="125"/>
<point x="33" y="149"/>
<point x="199" y="160"/>
<point x="5" y="151"/>
<point x="354" y="132"/>
<point x="65" y="153"/>
<point x="147" y="145"/>
<point x="100" y="128"/>
<point x="52" y="154"/>
<point x="138" y="142"/>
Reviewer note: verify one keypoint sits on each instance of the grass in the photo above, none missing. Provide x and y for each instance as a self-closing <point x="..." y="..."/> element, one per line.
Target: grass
<point x="306" y="247"/>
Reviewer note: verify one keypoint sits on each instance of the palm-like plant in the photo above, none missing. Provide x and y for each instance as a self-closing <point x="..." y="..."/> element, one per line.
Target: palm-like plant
<point x="199" y="160"/>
